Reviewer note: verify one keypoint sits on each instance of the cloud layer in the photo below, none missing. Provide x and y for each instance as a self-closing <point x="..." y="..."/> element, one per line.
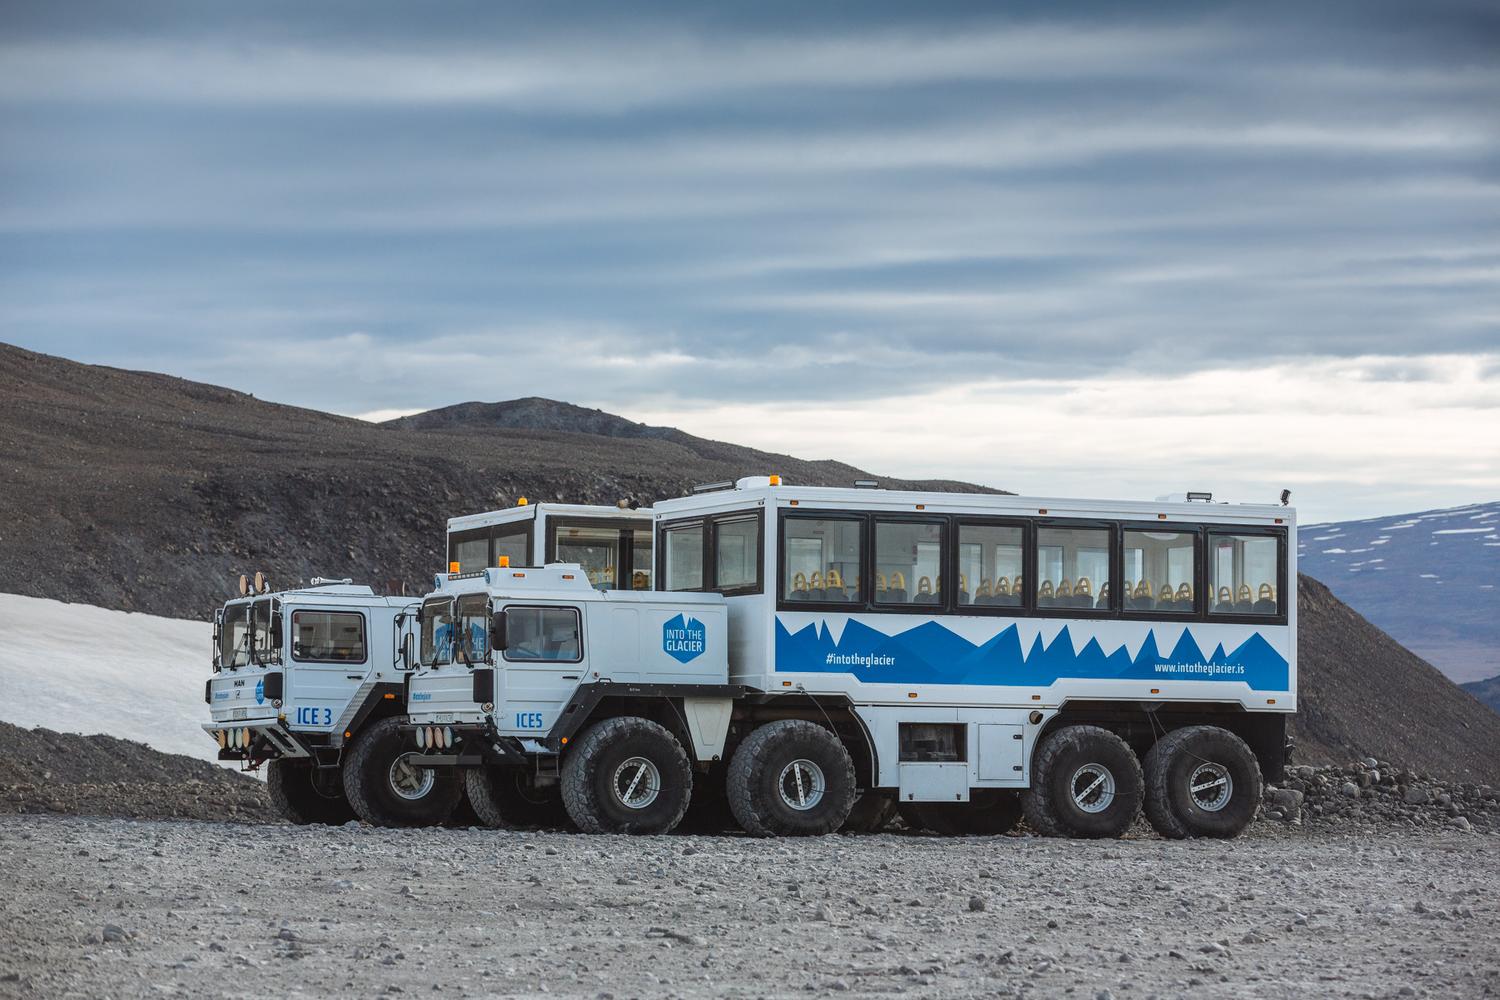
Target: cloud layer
<point x="802" y="230"/>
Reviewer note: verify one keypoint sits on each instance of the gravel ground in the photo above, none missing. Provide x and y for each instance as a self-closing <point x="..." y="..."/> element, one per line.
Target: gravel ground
<point x="126" y="908"/>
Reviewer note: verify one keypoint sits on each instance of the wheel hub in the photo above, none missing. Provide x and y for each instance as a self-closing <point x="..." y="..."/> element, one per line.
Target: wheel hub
<point x="1210" y="786"/>
<point x="1093" y="788"/>
<point x="637" y="782"/>
<point x="410" y="781"/>
<point x="802" y="784"/>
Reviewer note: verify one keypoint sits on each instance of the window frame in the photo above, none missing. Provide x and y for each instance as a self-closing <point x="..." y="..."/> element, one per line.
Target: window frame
<point x="364" y="632"/>
<point x="624" y="543"/>
<point x="1229" y="618"/>
<point x="1112" y="554"/>
<point x="492" y="533"/>
<point x="960" y="521"/>
<point x="577" y="620"/>
<point x="709" y="524"/>
<point x="946" y="563"/>
<point x="1200" y="548"/>
<point x="866" y="567"/>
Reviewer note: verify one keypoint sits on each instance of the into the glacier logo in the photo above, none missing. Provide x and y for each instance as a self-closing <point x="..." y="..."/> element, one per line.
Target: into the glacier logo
<point x="684" y="639"/>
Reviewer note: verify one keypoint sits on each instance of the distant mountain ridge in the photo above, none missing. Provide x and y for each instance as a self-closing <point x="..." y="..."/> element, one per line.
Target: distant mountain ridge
<point x="143" y="492"/>
<point x="1487" y="691"/>
<point x="1431" y="579"/>
<point x="533" y="413"/>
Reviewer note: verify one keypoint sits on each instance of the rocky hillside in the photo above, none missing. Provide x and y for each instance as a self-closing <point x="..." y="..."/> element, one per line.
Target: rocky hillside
<point x="143" y="492"/>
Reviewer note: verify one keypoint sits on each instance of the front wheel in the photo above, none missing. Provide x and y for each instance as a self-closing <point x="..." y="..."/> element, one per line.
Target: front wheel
<point x="791" y="778"/>
<point x="1085" y="782"/>
<point x="387" y="786"/>
<point x="627" y="775"/>
<point x="1201" y="781"/>
<point x="298" y="798"/>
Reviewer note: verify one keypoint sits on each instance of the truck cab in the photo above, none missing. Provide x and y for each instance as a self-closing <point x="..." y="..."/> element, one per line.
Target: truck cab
<point x="299" y="676"/>
<point x="515" y="664"/>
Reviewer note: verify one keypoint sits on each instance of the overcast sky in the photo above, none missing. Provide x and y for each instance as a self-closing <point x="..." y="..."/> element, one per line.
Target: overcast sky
<point x="1077" y="251"/>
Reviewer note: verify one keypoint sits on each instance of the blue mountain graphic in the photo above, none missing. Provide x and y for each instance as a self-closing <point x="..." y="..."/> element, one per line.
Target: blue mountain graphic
<point x="931" y="653"/>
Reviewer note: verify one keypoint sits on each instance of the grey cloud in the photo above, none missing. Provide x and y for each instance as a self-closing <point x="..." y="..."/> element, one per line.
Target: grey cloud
<point x="745" y="207"/>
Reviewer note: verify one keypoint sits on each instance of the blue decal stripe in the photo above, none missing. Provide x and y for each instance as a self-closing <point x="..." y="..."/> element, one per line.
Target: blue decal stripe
<point x="933" y="654"/>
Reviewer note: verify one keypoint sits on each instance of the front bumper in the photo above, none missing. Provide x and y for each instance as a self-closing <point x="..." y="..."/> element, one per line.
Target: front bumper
<point x="255" y="739"/>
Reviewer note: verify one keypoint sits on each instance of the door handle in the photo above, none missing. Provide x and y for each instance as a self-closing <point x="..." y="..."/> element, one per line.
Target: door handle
<point x="355" y="677"/>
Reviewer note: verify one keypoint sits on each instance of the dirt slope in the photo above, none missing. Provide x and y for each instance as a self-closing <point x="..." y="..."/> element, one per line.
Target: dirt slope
<point x="1364" y="694"/>
<point x="46" y="771"/>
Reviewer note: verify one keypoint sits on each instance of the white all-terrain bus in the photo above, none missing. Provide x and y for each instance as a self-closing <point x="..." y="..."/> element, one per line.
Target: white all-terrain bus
<point x="963" y="658"/>
<point x="312" y="682"/>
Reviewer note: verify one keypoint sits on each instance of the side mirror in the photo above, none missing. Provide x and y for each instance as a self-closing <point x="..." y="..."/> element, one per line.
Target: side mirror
<point x="276" y="634"/>
<point x="497" y="631"/>
<point x="406" y="652"/>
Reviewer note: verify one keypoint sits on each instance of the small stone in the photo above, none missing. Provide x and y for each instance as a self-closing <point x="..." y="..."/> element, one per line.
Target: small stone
<point x="550" y="850"/>
<point x="1349" y="790"/>
<point x="1052" y="925"/>
<point x="690" y="850"/>
<point x="1415" y="796"/>
<point x="976" y="904"/>
<point x="839" y="986"/>
<point x="1461" y="823"/>
<point x="1370" y="762"/>
<point x="824" y="913"/>
<point x="115" y="933"/>
<point x="286" y="934"/>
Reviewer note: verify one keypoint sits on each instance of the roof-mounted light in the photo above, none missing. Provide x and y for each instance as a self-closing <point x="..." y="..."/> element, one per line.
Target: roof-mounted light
<point x="714" y="487"/>
<point x="1203" y="497"/>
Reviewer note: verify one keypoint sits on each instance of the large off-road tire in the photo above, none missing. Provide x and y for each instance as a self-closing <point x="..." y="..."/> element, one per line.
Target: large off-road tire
<point x="871" y="813"/>
<point x="385" y="786"/>
<point x="627" y="775"/>
<point x="987" y="814"/>
<point x="1085" y="782"/>
<point x="299" y="800"/>
<point x="1201" y="781"/>
<point x="508" y="798"/>
<point x="791" y="778"/>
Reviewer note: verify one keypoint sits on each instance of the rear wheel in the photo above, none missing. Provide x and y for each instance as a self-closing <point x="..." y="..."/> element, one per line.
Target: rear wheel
<point x="791" y="778"/>
<point x="298" y="798"/>
<point x="627" y="775"/>
<point x="988" y="814"/>
<point x="1085" y="782"/>
<point x="1201" y="781"/>
<point x="507" y="797"/>
<point x="387" y="786"/>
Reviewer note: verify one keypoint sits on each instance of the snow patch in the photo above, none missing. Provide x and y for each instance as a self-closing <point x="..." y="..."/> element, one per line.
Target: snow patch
<point x="1334" y="552"/>
<point x="1324" y="538"/>
<point x="81" y="669"/>
<point x="1460" y="531"/>
<point x="1429" y="576"/>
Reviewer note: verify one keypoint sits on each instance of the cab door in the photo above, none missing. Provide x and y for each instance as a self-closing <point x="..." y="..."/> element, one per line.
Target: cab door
<point x="542" y="663"/>
<point x="330" y="664"/>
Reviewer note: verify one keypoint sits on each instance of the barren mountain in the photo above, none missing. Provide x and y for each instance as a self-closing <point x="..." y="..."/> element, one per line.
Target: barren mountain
<point x="144" y="492"/>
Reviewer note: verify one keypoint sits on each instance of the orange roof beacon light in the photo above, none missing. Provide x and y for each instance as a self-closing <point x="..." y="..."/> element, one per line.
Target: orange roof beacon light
<point x="504" y="562"/>
<point x="775" y="480"/>
<point x="521" y="501"/>
<point x="454" y="567"/>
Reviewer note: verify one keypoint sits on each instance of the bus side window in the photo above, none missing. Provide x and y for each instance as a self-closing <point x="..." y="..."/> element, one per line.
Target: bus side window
<point x="1243" y="573"/>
